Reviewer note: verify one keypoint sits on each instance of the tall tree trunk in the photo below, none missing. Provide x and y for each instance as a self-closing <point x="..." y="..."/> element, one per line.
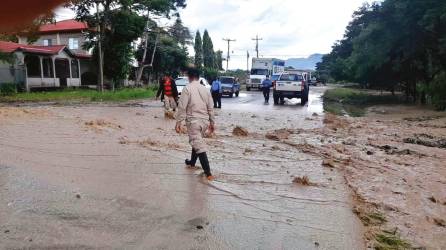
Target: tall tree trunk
<point x="144" y="55"/>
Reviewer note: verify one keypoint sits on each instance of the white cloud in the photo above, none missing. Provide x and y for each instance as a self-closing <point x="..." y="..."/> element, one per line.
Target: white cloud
<point x="289" y="28"/>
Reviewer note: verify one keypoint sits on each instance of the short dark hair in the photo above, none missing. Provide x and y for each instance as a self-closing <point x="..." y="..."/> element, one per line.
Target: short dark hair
<point x="193" y="73"/>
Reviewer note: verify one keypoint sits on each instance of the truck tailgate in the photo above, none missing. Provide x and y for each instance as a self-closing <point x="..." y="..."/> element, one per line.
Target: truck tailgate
<point x="288" y="86"/>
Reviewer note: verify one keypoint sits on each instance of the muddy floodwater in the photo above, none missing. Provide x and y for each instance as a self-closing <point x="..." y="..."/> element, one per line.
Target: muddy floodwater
<point x="113" y="177"/>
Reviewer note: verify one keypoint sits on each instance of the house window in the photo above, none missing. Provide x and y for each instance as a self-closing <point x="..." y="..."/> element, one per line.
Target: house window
<point x="47" y="64"/>
<point x="32" y="65"/>
<point x="73" y="43"/>
<point x="74" y="69"/>
<point x="47" y="42"/>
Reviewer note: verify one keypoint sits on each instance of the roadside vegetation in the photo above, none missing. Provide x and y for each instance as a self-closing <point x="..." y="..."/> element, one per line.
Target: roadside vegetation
<point x="394" y="45"/>
<point x="80" y="95"/>
<point x="354" y="102"/>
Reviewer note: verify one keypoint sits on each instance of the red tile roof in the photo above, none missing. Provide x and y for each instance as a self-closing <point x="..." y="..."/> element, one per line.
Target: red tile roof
<point x="82" y="56"/>
<point x="9" y="47"/>
<point x="66" y="25"/>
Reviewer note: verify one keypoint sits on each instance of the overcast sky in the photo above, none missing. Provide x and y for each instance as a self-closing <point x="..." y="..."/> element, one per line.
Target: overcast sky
<point x="289" y="28"/>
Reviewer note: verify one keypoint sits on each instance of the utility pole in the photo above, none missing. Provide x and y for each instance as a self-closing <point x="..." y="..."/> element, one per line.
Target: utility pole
<point x="257" y="39"/>
<point x="247" y="62"/>
<point x="101" y="62"/>
<point x="228" y="56"/>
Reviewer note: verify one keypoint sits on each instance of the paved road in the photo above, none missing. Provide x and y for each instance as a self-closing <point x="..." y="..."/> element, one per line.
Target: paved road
<point x="253" y="101"/>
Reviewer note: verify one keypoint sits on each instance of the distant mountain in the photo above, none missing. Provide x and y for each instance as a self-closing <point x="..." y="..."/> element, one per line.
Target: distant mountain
<point x="304" y="63"/>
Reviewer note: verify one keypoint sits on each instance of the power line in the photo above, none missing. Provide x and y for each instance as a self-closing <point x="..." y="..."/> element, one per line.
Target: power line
<point x="257" y="39"/>
<point x="228" y="56"/>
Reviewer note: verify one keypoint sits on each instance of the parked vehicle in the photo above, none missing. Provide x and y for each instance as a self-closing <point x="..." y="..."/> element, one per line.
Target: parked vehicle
<point x="261" y="67"/>
<point x="230" y="86"/>
<point x="290" y="85"/>
<point x="181" y="82"/>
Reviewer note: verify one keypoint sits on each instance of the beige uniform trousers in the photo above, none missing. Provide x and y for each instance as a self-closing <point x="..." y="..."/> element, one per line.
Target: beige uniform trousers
<point x="196" y="129"/>
<point x="169" y="103"/>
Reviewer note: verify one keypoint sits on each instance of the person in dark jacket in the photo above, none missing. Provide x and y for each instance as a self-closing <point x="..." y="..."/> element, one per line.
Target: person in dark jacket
<point x="266" y="86"/>
<point x="216" y="92"/>
<point x="169" y="92"/>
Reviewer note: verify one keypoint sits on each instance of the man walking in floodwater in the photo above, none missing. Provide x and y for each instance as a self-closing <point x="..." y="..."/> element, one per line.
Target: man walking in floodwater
<point x="196" y="109"/>
<point x="169" y="92"/>
<point x="266" y="86"/>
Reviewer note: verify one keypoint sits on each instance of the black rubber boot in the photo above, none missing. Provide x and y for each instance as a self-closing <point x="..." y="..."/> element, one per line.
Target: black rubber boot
<point x="205" y="164"/>
<point x="193" y="159"/>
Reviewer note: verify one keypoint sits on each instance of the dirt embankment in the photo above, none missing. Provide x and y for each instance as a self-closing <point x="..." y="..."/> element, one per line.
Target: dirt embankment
<point x="395" y="166"/>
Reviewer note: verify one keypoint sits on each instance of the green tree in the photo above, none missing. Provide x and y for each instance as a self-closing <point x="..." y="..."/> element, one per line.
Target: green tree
<point x="219" y="59"/>
<point x="121" y="22"/>
<point x="198" y="48"/>
<point x="180" y="33"/>
<point x="208" y="51"/>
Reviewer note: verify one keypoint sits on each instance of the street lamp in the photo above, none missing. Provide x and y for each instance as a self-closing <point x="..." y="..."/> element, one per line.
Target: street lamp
<point x="101" y="62"/>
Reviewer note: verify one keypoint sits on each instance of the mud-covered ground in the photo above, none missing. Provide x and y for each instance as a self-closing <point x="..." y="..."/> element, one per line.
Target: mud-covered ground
<point x="107" y="176"/>
<point x="113" y="176"/>
<point x="394" y="161"/>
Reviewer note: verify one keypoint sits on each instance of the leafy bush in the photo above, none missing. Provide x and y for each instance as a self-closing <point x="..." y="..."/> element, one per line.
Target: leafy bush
<point x="210" y="74"/>
<point x="8" y="89"/>
<point x="437" y="91"/>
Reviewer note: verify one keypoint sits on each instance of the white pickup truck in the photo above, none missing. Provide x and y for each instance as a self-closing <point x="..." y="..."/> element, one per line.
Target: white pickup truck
<point x="290" y="85"/>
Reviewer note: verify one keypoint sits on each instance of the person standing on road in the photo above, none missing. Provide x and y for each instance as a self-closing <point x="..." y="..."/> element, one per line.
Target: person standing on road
<point x="169" y="92"/>
<point x="216" y="93"/>
<point x="266" y="86"/>
<point x="195" y="108"/>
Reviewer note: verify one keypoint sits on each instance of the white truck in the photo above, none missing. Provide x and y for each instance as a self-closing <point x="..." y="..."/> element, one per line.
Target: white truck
<point x="261" y="67"/>
<point x="291" y="84"/>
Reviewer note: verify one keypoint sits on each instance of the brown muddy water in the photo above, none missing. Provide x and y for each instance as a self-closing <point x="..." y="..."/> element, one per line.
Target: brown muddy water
<point x="113" y="177"/>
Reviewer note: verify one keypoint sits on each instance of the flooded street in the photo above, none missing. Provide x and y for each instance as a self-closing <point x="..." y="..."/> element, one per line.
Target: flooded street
<point x="113" y="177"/>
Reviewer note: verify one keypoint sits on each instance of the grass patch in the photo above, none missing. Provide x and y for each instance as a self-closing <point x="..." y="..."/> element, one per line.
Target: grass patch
<point x="353" y="102"/>
<point x="82" y="95"/>
<point x="373" y="219"/>
<point x="387" y="240"/>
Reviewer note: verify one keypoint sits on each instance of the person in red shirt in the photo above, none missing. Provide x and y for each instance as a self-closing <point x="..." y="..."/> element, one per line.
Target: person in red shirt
<point x="169" y="92"/>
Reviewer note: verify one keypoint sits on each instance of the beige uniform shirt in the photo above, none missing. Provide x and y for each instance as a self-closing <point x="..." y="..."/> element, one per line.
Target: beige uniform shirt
<point x="195" y="103"/>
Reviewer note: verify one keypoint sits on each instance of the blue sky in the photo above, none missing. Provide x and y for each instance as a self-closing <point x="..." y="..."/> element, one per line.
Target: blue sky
<point x="289" y="28"/>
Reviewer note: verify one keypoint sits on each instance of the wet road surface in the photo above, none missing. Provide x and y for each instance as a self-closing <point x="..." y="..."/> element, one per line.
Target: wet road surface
<point x="122" y="184"/>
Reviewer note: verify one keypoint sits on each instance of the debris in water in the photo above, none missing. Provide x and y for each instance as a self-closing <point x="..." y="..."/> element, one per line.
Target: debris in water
<point x="78" y="196"/>
<point x="199" y="227"/>
<point x="421" y="119"/>
<point x="248" y="150"/>
<point x="426" y="140"/>
<point x="329" y="163"/>
<point x="304" y="181"/>
<point x="6" y="231"/>
<point x="100" y="124"/>
<point x="124" y="140"/>
<point x="240" y="131"/>
<point x="370" y="152"/>
<point x="139" y="114"/>
<point x="315" y="114"/>
<point x="440" y="222"/>
<point x="433" y="199"/>
<point x="280" y="134"/>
